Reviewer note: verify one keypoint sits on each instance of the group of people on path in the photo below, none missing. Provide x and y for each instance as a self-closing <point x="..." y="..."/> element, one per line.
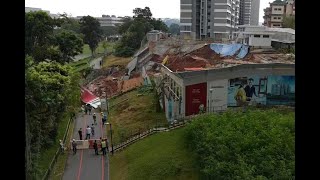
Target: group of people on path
<point x="91" y="131"/>
<point x="103" y="145"/>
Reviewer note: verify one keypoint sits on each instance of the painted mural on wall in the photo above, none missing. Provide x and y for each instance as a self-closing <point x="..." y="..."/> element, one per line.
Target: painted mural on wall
<point x="266" y="90"/>
<point x="281" y="90"/>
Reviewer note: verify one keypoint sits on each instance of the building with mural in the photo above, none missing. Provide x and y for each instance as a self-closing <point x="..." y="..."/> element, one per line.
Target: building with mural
<point x="217" y="76"/>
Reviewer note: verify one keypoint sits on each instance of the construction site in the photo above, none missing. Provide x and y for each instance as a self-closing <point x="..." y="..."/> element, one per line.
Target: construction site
<point x="194" y="75"/>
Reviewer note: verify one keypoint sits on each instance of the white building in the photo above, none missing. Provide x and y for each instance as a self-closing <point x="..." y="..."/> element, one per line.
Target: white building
<point x="262" y="36"/>
<point x="255" y="36"/>
<point x="106" y="20"/>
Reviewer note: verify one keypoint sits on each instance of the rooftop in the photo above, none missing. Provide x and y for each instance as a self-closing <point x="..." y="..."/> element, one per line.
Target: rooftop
<point x="205" y="58"/>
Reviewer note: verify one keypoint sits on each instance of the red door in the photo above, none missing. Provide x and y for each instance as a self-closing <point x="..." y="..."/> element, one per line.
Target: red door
<point x="195" y="96"/>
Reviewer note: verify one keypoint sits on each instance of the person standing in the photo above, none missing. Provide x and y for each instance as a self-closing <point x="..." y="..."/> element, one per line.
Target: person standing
<point x="88" y="132"/>
<point x="61" y="146"/>
<point x="74" y="146"/>
<point x="80" y="133"/>
<point x="89" y="109"/>
<point x="92" y="129"/>
<point x="103" y="147"/>
<point x="85" y="109"/>
<point x="94" y="118"/>
<point x="240" y="96"/>
<point x="95" y="147"/>
<point x="250" y="90"/>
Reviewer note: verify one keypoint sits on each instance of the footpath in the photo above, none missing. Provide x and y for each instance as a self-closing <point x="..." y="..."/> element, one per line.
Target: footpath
<point x="85" y="165"/>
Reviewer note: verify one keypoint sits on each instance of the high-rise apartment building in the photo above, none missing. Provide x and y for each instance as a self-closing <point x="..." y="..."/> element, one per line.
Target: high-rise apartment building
<point x="215" y="19"/>
<point x="273" y="15"/>
<point x="249" y="12"/>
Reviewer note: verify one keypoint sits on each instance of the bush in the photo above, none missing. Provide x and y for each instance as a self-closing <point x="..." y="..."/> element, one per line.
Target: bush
<point x="253" y="145"/>
<point x="124" y="51"/>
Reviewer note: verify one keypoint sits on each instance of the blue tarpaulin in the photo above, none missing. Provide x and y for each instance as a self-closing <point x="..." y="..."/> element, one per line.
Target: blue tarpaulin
<point x="243" y="52"/>
<point x="229" y="49"/>
<point x="216" y="47"/>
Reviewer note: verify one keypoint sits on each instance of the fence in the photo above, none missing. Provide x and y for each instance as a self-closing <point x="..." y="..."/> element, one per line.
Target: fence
<point x="56" y="155"/>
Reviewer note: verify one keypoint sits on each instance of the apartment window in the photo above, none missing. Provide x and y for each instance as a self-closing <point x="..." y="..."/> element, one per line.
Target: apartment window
<point x="208" y="27"/>
<point x="201" y="30"/>
<point x="209" y="13"/>
<point x="274" y="17"/>
<point x="279" y="17"/>
<point x="256" y="36"/>
<point x="265" y="36"/>
<point x="202" y="11"/>
<point x="208" y="34"/>
<point x="208" y="20"/>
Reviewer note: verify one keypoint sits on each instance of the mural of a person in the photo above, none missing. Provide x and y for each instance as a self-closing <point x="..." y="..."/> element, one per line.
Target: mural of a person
<point x="240" y="96"/>
<point x="250" y="90"/>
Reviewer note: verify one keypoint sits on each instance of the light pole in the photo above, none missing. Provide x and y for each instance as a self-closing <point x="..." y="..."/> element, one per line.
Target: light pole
<point x="210" y="105"/>
<point x="111" y="137"/>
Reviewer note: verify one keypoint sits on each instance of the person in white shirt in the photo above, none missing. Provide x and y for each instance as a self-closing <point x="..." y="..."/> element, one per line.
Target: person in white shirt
<point x="88" y="132"/>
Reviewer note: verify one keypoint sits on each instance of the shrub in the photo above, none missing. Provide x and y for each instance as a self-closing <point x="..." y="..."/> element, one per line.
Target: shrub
<point x="253" y="145"/>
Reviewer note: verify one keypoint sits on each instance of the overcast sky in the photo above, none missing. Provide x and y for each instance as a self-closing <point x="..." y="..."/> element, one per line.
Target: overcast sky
<point x="95" y="8"/>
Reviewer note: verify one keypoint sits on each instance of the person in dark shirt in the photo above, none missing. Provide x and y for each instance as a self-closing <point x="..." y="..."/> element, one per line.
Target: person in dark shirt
<point x="250" y="90"/>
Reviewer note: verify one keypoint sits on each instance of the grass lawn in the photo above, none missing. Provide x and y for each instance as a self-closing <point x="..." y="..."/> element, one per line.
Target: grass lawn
<point x="138" y="112"/>
<point x="110" y="48"/>
<point x="115" y="61"/>
<point x="46" y="156"/>
<point x="81" y="64"/>
<point x="160" y="156"/>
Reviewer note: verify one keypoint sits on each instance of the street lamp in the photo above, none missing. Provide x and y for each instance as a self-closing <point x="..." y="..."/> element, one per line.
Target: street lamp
<point x="210" y="105"/>
<point x="110" y="137"/>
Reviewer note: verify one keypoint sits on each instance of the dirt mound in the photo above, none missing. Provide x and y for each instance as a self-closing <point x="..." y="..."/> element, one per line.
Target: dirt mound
<point x="188" y="61"/>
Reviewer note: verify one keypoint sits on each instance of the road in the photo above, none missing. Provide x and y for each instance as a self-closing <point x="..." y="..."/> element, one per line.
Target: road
<point x="85" y="165"/>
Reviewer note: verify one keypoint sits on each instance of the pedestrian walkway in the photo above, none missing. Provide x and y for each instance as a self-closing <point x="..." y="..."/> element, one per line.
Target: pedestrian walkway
<point x="85" y="165"/>
<point x="95" y="63"/>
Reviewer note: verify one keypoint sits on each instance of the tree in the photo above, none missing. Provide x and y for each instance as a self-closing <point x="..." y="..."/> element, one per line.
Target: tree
<point x="38" y="34"/>
<point x="127" y="21"/>
<point x="50" y="90"/>
<point x="109" y="30"/>
<point x="158" y="24"/>
<point x="69" y="45"/>
<point x="134" y="30"/>
<point x="142" y="13"/>
<point x="105" y="45"/>
<point x="174" y="29"/>
<point x="67" y="23"/>
<point x="289" y="22"/>
<point x="90" y="27"/>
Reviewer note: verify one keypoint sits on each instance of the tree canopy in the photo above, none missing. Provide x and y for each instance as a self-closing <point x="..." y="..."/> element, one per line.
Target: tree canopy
<point x="90" y="27"/>
<point x="289" y="22"/>
<point x="41" y="42"/>
<point x="51" y="86"/>
<point x="174" y="29"/>
<point x="69" y="44"/>
<point x="134" y="29"/>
